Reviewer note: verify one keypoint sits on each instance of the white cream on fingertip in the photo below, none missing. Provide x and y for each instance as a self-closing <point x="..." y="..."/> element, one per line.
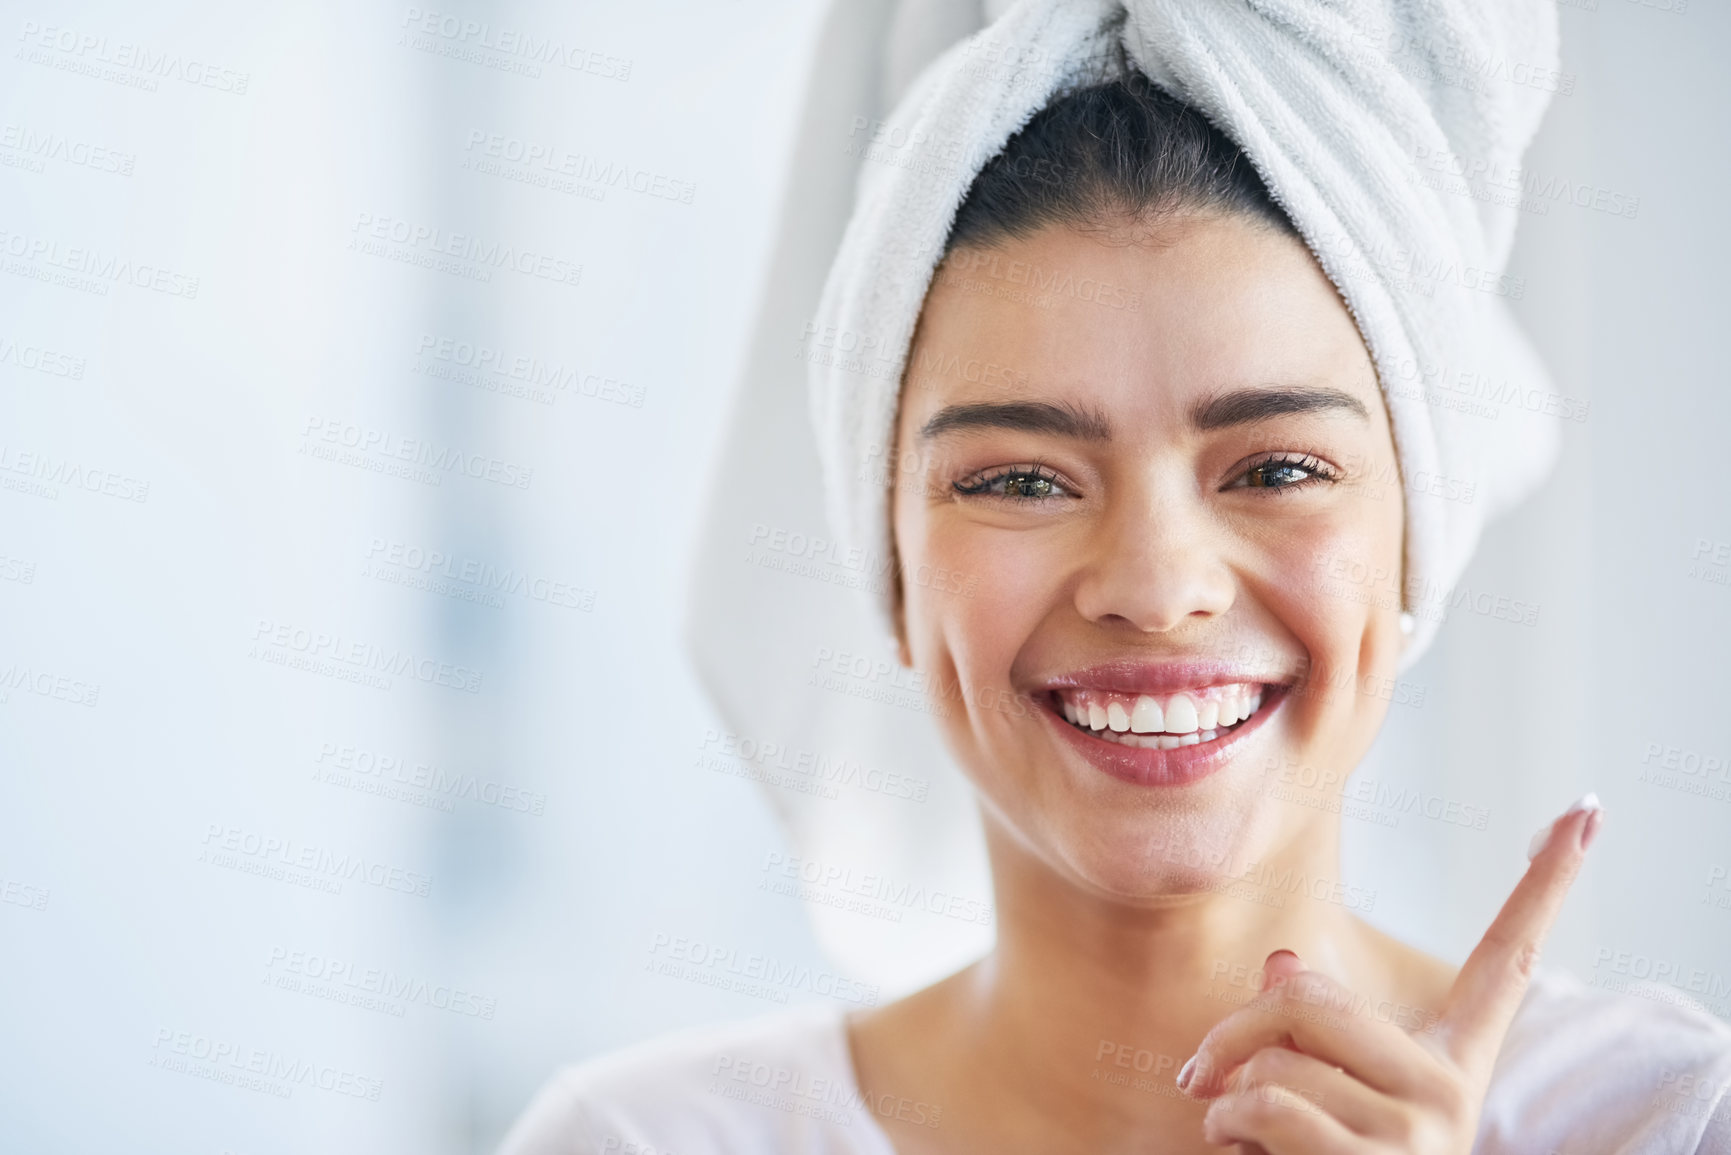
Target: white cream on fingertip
<point x="1588" y="801"/>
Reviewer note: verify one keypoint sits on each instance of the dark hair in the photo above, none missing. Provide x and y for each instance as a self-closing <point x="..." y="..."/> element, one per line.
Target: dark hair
<point x="1123" y="149"/>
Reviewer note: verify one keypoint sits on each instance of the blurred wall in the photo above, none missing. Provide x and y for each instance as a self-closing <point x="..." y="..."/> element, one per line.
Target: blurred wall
<point x="361" y="372"/>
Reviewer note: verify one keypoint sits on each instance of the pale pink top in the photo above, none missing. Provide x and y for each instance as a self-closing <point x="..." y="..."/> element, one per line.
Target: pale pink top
<point x="1582" y="1072"/>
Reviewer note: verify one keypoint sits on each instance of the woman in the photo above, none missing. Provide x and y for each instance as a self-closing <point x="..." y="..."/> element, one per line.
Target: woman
<point x="1159" y="689"/>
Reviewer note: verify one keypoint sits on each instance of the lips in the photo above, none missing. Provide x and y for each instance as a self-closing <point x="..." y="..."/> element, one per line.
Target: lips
<point x="1160" y="725"/>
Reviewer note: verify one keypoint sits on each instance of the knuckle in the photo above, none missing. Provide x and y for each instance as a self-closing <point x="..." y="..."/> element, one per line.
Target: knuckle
<point x="1405" y="1130"/>
<point x="1526" y="960"/>
<point x="1267" y="1065"/>
<point x="1259" y="1106"/>
<point x="1454" y="1098"/>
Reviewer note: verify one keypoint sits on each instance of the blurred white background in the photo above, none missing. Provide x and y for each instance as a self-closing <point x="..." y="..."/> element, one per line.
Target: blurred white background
<point x="355" y="428"/>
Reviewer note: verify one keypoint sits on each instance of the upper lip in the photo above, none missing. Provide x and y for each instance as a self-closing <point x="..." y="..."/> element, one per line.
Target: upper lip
<point x="1128" y="676"/>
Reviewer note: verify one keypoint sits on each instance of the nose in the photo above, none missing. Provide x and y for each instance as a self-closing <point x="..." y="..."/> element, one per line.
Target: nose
<point x="1155" y="565"/>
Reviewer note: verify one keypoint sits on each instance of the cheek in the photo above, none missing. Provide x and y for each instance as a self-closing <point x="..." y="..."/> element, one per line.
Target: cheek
<point x="973" y="594"/>
<point x="1336" y="586"/>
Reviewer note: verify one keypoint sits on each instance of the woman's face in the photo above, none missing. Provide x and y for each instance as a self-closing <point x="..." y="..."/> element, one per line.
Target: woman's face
<point x="1154" y="471"/>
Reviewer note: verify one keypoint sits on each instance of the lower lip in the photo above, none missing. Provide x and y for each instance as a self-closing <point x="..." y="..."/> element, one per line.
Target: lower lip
<point x="1179" y="766"/>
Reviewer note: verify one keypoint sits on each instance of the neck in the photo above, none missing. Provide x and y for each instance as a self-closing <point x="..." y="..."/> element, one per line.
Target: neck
<point x="1086" y="985"/>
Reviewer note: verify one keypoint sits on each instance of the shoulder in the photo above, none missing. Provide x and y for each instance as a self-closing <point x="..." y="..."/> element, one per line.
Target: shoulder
<point x="1638" y="1071"/>
<point x="781" y="1082"/>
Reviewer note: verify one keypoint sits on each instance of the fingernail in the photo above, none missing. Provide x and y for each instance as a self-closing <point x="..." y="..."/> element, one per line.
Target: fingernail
<point x="1186" y="1073"/>
<point x="1265" y="981"/>
<point x="1543" y="837"/>
<point x="1592" y="827"/>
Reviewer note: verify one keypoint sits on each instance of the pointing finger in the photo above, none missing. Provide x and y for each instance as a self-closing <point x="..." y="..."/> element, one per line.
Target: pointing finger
<point x="1491" y="984"/>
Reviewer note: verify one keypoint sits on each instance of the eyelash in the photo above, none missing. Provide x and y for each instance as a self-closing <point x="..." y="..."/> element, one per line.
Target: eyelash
<point x="1319" y="471"/>
<point x="979" y="485"/>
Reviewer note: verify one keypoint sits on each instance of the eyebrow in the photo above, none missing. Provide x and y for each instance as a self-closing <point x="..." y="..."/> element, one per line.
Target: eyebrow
<point x="1244" y="406"/>
<point x="1239" y="407"/>
<point x="1061" y="420"/>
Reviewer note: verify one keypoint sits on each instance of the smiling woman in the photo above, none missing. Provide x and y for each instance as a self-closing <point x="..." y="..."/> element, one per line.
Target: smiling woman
<point x="1188" y="426"/>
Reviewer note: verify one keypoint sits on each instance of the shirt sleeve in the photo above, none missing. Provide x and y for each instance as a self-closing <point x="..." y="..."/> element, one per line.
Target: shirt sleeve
<point x="554" y="1122"/>
<point x="1716" y="1139"/>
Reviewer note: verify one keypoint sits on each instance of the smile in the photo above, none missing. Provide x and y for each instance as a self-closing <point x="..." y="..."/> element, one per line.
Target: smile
<point x="1161" y="721"/>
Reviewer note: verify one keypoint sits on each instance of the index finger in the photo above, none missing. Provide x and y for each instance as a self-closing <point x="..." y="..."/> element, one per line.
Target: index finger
<point x="1488" y="991"/>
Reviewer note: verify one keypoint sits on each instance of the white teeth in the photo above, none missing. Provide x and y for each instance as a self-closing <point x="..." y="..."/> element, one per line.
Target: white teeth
<point x="1151" y="722"/>
<point x="1181" y="715"/>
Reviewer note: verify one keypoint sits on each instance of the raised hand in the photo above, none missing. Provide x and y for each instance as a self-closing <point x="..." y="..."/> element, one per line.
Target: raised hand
<point x="1297" y="1072"/>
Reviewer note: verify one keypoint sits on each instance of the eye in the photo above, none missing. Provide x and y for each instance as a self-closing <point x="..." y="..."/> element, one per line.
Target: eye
<point x="1018" y="483"/>
<point x="1285" y="471"/>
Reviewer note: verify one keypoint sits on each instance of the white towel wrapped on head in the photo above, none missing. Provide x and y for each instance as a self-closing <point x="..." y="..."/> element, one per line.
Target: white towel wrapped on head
<point x="1346" y="110"/>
